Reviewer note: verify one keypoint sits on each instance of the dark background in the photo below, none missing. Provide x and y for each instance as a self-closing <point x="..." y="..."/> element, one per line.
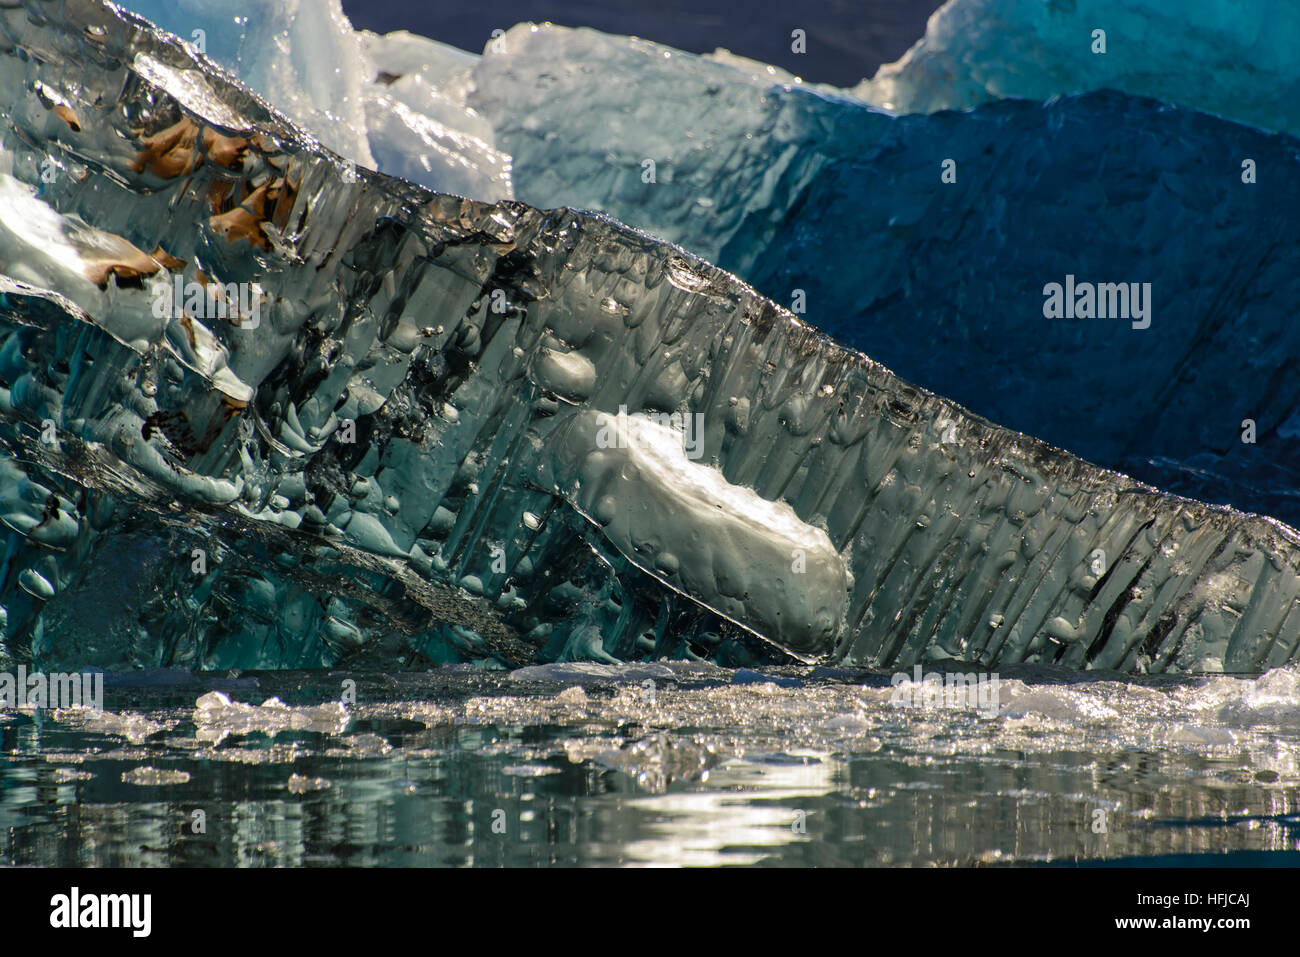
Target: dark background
<point x="846" y="39"/>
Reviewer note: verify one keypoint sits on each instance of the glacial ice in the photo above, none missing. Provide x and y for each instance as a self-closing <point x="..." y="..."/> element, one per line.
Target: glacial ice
<point x="405" y="479"/>
<point x="799" y="192"/>
<point x="791" y="185"/>
<point x="380" y="101"/>
<point x="1235" y="60"/>
<point x="302" y="55"/>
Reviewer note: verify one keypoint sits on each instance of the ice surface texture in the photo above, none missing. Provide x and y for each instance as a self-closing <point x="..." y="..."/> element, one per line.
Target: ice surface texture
<point x="483" y="354"/>
<point x="794" y="188"/>
<point x="1231" y="59"/>
<point x="943" y="282"/>
<point x="383" y="102"/>
<point x="302" y="55"/>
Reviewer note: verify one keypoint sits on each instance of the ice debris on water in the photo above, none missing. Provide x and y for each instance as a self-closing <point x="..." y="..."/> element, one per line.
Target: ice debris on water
<point x="582" y="672"/>
<point x="145" y="777"/>
<point x="216" y="716"/>
<point x="529" y="770"/>
<point x="133" y="726"/>
<point x="301" y="784"/>
<point x="71" y="775"/>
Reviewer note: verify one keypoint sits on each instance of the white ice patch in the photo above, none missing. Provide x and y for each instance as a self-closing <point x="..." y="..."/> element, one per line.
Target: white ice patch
<point x="402" y="53"/>
<point x="751" y="560"/>
<point x="47" y="250"/>
<point x="33" y="245"/>
<point x="418" y="146"/>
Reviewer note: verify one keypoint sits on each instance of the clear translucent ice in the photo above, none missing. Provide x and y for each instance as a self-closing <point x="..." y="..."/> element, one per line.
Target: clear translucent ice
<point x="794" y="189"/>
<point x="794" y="186"/>
<point x="473" y="346"/>
<point x="302" y="55"/>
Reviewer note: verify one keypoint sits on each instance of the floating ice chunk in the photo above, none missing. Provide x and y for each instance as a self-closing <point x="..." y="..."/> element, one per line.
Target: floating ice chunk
<point x="70" y="775"/>
<point x="529" y="770"/>
<point x="585" y="672"/>
<point x="1273" y="698"/>
<point x="368" y="744"/>
<point x="1018" y="700"/>
<point x="658" y="760"/>
<point x="216" y="716"/>
<point x="301" y="784"/>
<point x="146" y="777"/>
<point x="134" y="727"/>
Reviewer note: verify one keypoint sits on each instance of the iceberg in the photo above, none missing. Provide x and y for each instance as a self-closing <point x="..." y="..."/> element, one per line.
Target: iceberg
<point x="439" y="433"/>
<point x="1230" y="59"/>
<point x="842" y="210"/>
<point x="792" y="186"/>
